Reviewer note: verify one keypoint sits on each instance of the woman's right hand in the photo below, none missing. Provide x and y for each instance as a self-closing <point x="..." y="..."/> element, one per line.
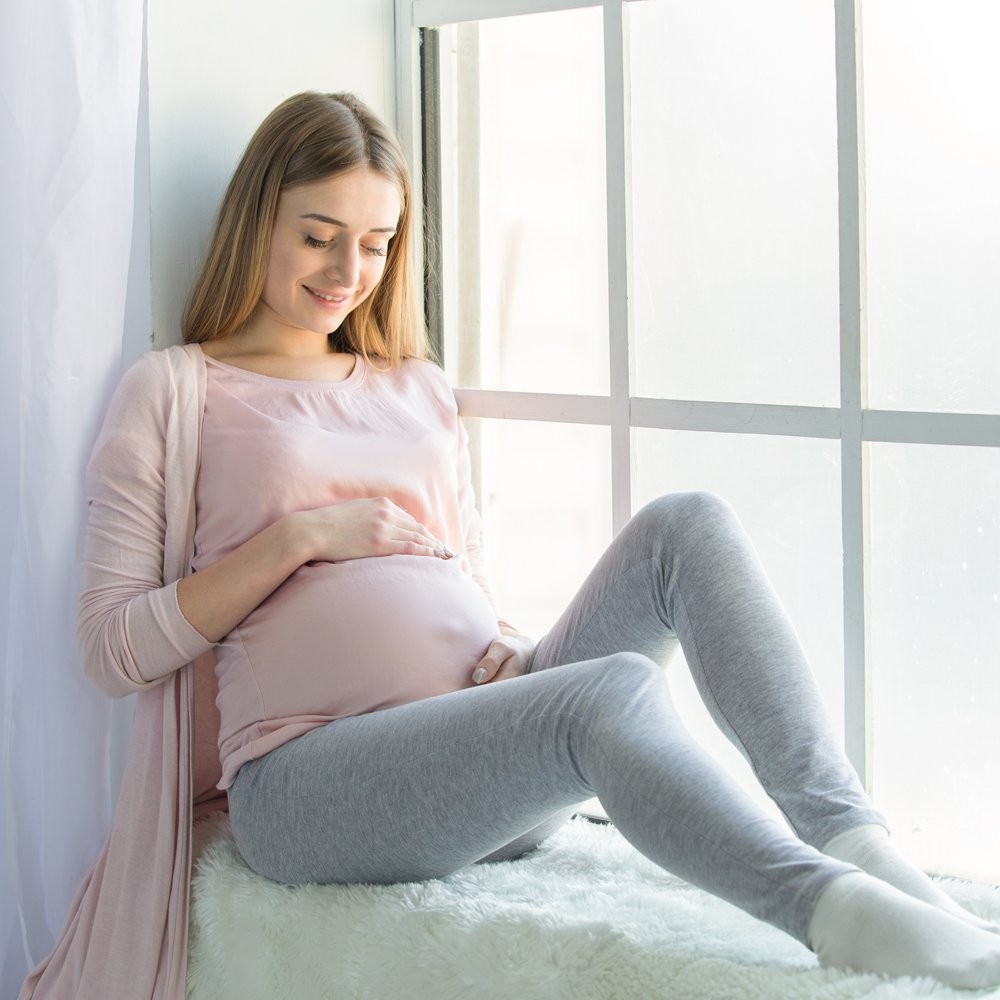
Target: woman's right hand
<point x="217" y="598"/>
<point x="356" y="529"/>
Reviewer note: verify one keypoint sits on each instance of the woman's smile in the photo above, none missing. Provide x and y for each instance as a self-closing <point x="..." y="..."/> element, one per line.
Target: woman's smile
<point x="332" y="300"/>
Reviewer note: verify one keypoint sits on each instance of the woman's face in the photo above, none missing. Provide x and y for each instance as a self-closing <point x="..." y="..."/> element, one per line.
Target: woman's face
<point x="328" y="250"/>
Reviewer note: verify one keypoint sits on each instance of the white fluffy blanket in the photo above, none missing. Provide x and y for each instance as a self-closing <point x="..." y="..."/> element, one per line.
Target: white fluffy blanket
<point x="585" y="917"/>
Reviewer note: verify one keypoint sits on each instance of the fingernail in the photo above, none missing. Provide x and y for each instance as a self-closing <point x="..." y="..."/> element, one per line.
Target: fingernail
<point x="448" y="554"/>
<point x="480" y="675"/>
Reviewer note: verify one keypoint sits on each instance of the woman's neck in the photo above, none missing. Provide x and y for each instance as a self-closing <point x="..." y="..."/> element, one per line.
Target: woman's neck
<point x="297" y="360"/>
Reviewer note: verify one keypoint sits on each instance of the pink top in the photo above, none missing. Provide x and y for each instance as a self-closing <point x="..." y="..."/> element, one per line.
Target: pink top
<point x="319" y="648"/>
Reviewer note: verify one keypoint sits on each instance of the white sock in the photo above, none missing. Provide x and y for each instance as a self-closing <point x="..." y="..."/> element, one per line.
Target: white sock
<point x="870" y="848"/>
<point x="864" y="924"/>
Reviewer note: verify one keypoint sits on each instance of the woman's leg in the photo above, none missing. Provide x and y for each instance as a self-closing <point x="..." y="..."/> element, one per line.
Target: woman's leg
<point x="422" y="790"/>
<point x="683" y="569"/>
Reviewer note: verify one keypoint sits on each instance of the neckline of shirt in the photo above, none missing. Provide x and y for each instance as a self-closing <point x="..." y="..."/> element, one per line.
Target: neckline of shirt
<point x="352" y="381"/>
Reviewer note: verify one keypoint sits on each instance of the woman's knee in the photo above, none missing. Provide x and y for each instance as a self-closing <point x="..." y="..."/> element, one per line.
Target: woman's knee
<point x="622" y="679"/>
<point x="639" y="667"/>
<point x="686" y="518"/>
<point x="629" y="695"/>
<point x="698" y="507"/>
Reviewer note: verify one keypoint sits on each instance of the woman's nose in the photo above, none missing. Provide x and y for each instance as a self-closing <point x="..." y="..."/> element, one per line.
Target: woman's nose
<point x="345" y="266"/>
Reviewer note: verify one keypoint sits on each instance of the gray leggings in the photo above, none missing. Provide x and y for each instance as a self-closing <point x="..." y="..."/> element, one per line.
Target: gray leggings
<point x="422" y="790"/>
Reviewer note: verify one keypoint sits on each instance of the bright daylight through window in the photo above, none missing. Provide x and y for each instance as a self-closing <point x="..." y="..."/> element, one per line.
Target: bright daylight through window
<point x="674" y="254"/>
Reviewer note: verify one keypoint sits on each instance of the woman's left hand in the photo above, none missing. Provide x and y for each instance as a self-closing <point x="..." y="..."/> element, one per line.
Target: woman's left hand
<point x="507" y="657"/>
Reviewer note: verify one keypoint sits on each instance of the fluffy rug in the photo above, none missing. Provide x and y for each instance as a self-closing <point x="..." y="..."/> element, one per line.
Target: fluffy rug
<point x="584" y="917"/>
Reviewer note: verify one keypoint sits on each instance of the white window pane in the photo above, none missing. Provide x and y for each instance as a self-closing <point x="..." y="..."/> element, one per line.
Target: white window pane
<point x="935" y="651"/>
<point x="734" y="170"/>
<point x="932" y="147"/>
<point x="786" y="492"/>
<point x="537" y="225"/>
<point x="546" y="503"/>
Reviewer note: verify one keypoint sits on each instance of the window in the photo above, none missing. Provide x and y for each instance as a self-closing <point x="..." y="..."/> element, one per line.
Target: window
<point x="711" y="245"/>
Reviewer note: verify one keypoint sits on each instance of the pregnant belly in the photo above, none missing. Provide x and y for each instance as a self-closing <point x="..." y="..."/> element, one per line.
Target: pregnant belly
<point x="341" y="639"/>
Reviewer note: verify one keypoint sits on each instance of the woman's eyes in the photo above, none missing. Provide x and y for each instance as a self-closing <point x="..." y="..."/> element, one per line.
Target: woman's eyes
<point x="311" y="241"/>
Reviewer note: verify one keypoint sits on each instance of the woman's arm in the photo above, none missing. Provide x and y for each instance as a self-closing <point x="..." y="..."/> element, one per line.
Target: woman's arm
<point x="217" y="598"/>
<point x="130" y="629"/>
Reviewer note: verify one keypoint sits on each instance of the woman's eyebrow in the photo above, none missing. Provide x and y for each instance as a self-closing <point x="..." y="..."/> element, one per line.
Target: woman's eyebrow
<point x="343" y="225"/>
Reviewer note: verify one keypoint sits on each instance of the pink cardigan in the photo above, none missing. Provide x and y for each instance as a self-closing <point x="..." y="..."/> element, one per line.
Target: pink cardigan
<point x="126" y="934"/>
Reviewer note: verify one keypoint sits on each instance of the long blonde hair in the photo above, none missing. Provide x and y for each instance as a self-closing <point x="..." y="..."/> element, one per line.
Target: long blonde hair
<point x="309" y="137"/>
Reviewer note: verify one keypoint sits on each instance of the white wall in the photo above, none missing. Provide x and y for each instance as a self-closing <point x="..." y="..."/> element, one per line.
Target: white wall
<point x="216" y="68"/>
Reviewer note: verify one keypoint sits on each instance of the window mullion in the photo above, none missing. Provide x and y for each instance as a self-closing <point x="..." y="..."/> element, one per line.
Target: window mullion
<point x="857" y="681"/>
<point x="431" y="164"/>
<point x="918" y="427"/>
<point x="435" y="12"/>
<point x="616" y="122"/>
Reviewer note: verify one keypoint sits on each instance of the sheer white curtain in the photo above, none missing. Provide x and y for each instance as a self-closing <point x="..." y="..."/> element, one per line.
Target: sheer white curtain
<point x="69" y="97"/>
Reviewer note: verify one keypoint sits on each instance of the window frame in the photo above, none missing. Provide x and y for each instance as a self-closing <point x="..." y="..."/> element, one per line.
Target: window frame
<point x="853" y="423"/>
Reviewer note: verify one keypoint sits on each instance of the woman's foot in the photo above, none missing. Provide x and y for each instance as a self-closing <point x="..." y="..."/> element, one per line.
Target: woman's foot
<point x="870" y="848"/>
<point x="862" y="923"/>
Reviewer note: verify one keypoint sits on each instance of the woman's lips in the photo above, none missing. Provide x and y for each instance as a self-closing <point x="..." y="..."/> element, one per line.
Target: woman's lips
<point x="327" y="298"/>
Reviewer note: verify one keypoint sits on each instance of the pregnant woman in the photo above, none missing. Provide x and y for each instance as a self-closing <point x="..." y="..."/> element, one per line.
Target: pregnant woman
<point x="283" y="559"/>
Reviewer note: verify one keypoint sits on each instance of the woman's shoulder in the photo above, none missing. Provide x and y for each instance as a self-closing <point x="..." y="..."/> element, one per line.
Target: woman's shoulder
<point x="419" y="377"/>
<point x="164" y="363"/>
<point x="161" y="370"/>
<point x="425" y="372"/>
<point x="154" y="383"/>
